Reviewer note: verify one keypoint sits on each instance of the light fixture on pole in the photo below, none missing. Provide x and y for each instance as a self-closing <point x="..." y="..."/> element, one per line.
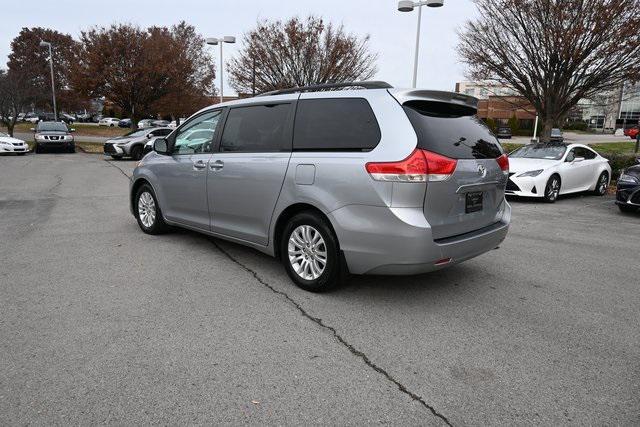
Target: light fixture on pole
<point x="221" y="40"/>
<point x="408" y="6"/>
<point x="53" y="87"/>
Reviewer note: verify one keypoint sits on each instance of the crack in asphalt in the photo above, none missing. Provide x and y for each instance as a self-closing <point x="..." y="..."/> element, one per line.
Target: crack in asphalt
<point x="331" y="329"/>
<point x="337" y="336"/>
<point x="118" y="167"/>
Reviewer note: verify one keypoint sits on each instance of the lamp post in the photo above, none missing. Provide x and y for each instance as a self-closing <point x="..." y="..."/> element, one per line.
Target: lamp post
<point x="221" y="40"/>
<point x="53" y="87"/>
<point x="408" y="6"/>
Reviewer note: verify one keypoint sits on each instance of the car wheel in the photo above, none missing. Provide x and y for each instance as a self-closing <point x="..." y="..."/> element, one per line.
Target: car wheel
<point x="552" y="189"/>
<point x="627" y="209"/>
<point x="602" y="184"/>
<point x="111" y="125"/>
<point x="37" y="149"/>
<point x="116" y="157"/>
<point x="136" y="152"/>
<point x="148" y="211"/>
<point x="310" y="253"/>
<point x="72" y="149"/>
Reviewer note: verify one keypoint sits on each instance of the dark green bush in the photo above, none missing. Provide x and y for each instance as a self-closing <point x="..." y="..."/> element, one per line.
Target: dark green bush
<point x="619" y="162"/>
<point x="576" y="126"/>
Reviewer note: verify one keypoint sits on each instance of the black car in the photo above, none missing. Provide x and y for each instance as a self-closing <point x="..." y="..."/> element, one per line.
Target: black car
<point x="556" y="135"/>
<point x="628" y="190"/>
<point x="124" y="123"/>
<point x="53" y="135"/>
<point x="504" y="132"/>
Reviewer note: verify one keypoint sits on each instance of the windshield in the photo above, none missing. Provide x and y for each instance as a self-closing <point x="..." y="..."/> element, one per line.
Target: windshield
<point x="52" y="126"/>
<point x="539" y="152"/>
<point x="556" y="132"/>
<point x="136" y="133"/>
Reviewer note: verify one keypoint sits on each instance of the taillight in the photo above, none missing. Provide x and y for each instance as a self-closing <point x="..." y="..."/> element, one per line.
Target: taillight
<point x="503" y="162"/>
<point x="420" y="166"/>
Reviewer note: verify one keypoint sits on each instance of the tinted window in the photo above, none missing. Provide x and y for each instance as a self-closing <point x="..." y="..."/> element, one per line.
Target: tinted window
<point x="161" y="132"/>
<point x="585" y="153"/>
<point x="257" y="129"/>
<point x="338" y="124"/>
<point x="552" y="152"/>
<point x="445" y="132"/>
<point x="205" y="126"/>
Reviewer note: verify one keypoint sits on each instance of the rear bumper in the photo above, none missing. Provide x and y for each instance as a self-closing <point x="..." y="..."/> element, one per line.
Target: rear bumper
<point x="398" y="241"/>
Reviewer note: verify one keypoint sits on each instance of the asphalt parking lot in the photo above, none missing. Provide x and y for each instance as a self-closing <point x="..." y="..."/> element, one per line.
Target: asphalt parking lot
<point x="100" y="323"/>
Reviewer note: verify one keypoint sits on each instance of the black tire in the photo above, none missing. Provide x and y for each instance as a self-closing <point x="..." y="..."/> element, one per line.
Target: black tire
<point x="334" y="272"/>
<point x="111" y="125"/>
<point x="37" y="149"/>
<point x="552" y="189"/>
<point x="627" y="209"/>
<point x="136" y="152"/>
<point x="157" y="226"/>
<point x="602" y="184"/>
<point x="72" y="149"/>
<point x="116" y="157"/>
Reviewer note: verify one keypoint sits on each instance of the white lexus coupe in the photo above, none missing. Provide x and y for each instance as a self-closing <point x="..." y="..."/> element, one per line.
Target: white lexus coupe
<point x="548" y="170"/>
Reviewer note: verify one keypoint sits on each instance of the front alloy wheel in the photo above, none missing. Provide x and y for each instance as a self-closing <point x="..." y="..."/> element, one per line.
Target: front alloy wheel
<point x="148" y="212"/>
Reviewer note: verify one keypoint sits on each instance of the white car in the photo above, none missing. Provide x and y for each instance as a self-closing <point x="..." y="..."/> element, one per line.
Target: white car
<point x="12" y="145"/>
<point x="174" y="123"/>
<point x="549" y="170"/>
<point x="109" y="121"/>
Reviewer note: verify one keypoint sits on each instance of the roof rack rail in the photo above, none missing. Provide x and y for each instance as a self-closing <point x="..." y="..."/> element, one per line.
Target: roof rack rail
<point x="365" y="85"/>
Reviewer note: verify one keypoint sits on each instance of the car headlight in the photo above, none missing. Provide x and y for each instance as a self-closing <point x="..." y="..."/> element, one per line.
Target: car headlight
<point x="531" y="173"/>
<point x="40" y="138"/>
<point x="629" y="178"/>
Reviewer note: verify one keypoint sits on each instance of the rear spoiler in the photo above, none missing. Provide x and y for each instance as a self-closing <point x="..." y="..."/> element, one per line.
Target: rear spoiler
<point x="458" y="101"/>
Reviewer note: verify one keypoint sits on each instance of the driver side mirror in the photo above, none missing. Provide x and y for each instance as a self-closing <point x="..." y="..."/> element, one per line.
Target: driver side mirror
<point x="150" y="135"/>
<point x="570" y="157"/>
<point x="72" y="130"/>
<point x="161" y="146"/>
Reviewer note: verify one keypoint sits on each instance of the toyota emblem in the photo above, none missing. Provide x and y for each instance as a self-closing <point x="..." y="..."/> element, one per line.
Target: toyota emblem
<point x="482" y="171"/>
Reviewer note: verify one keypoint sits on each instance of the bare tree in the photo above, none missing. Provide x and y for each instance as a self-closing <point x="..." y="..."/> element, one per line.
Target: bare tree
<point x="299" y="53"/>
<point x="14" y="97"/>
<point x="554" y="52"/>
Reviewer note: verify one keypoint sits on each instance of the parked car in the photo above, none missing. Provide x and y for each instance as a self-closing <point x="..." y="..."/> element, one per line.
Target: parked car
<point x="631" y="132"/>
<point x="53" y="135"/>
<point x="549" y="170"/>
<point x="12" y="145"/>
<point x="556" y="135"/>
<point x="367" y="181"/>
<point x="21" y="117"/>
<point x="147" y="123"/>
<point x="504" y="132"/>
<point x="109" y="121"/>
<point x="124" y="123"/>
<point x="174" y="123"/>
<point x="132" y="144"/>
<point x="83" y="117"/>
<point x="31" y="118"/>
<point x="628" y="189"/>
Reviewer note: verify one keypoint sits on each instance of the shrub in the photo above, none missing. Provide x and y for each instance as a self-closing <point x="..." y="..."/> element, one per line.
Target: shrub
<point x="582" y="126"/>
<point x="619" y="162"/>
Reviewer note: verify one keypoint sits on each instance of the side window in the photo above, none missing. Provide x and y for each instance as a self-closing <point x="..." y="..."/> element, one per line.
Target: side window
<point x="335" y="124"/>
<point x="257" y="129"/>
<point x="588" y="154"/>
<point x="197" y="135"/>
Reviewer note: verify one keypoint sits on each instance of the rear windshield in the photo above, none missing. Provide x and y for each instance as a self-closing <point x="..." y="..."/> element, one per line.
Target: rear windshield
<point x="539" y="152"/>
<point x="454" y="136"/>
<point x="52" y="126"/>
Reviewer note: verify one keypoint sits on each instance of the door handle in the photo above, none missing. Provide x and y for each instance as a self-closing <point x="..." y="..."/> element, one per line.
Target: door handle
<point x="199" y="164"/>
<point x="217" y="165"/>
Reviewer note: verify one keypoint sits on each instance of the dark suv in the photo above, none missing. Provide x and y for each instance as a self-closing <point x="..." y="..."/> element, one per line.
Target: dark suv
<point x="53" y="135"/>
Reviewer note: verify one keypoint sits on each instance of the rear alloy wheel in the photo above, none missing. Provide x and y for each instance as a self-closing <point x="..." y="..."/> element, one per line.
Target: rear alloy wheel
<point x="310" y="253"/>
<point x="148" y="212"/>
<point x="136" y="152"/>
<point x="552" y="189"/>
<point x="603" y="183"/>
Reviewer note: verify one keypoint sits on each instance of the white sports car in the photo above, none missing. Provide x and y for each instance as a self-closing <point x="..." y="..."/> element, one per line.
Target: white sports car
<point x="548" y="170"/>
<point x="12" y="145"/>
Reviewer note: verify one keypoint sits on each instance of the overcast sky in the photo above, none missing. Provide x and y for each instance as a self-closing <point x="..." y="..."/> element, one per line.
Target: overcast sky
<point x="392" y="32"/>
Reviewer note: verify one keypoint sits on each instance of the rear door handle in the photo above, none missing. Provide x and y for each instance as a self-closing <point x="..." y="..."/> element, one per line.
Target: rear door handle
<point x="199" y="164"/>
<point x="217" y="165"/>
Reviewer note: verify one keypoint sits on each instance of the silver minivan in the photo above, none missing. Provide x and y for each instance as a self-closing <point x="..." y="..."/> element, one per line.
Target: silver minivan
<point x="364" y="180"/>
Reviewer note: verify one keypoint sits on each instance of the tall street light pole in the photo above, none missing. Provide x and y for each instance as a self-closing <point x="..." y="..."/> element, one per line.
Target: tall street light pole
<point x="53" y="86"/>
<point x="408" y="6"/>
<point x="221" y="40"/>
